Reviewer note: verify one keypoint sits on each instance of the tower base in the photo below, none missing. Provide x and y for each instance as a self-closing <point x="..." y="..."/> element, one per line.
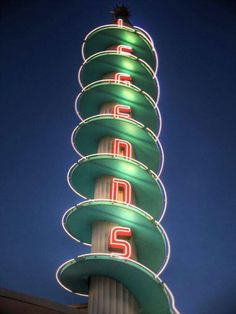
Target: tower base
<point x="108" y="296"/>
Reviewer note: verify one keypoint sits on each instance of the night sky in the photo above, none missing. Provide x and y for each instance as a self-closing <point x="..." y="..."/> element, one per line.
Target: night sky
<point x="40" y="56"/>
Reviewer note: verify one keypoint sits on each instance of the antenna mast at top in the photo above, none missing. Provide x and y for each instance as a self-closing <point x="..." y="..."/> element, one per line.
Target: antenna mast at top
<point x="121" y="12"/>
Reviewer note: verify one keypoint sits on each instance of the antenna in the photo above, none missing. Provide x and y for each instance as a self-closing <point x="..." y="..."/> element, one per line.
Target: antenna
<point x="121" y="12"/>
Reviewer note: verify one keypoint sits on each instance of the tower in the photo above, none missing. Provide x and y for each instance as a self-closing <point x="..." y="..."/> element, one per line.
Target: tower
<point x="118" y="174"/>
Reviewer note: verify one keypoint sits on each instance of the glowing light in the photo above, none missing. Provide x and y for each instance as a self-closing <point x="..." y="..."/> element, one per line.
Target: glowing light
<point x="122" y="245"/>
<point x="135" y="209"/>
<point x="122" y="111"/>
<point x="143" y="267"/>
<point x="121" y="148"/>
<point x="131" y="161"/>
<point x="139" y="31"/>
<point x="120" y="190"/>
<point x="144" y="33"/>
<point x="123" y="78"/>
<point x="112" y="81"/>
<point x="124" y="49"/>
<point x="128" y="66"/>
<point x="128" y="83"/>
<point x="119" y="23"/>
<point x="129" y="56"/>
<point x="135" y="29"/>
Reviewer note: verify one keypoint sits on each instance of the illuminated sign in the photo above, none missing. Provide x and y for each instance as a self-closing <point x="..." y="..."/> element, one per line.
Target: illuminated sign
<point x="121" y="148"/>
<point x="121" y="111"/>
<point x="124" y="48"/>
<point x="115" y="158"/>
<point x="123" y="78"/>
<point x="119" y="22"/>
<point x="120" y="190"/>
<point x="117" y="243"/>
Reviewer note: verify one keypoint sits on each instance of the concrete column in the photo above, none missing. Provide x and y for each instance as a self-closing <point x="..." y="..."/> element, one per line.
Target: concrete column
<point x="106" y="295"/>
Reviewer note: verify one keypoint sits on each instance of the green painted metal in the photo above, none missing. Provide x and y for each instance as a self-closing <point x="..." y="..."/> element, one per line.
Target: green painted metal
<point x="101" y="64"/>
<point x="110" y="35"/>
<point x="93" y="97"/>
<point x="149" y="194"/>
<point x="90" y="132"/>
<point x="152" y="295"/>
<point x="149" y="238"/>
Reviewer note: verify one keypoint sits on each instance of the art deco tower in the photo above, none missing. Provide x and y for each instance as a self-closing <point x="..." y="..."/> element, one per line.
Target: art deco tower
<point x="118" y="175"/>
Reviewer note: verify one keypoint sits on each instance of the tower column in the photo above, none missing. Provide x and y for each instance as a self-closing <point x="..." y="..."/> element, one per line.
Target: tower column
<point x="119" y="176"/>
<point x="107" y="295"/>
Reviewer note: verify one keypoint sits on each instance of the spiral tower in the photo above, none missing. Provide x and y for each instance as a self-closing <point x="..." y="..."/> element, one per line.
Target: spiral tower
<point x="118" y="174"/>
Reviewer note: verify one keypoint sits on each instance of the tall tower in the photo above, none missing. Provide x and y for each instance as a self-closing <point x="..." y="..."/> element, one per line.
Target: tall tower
<point x="118" y="175"/>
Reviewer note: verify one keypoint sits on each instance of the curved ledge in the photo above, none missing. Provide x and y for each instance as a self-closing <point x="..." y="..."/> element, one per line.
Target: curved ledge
<point x="146" y="186"/>
<point x="154" y="298"/>
<point x="151" y="241"/>
<point x="88" y="103"/>
<point x="110" y="35"/>
<point x="86" y="137"/>
<point x="103" y="63"/>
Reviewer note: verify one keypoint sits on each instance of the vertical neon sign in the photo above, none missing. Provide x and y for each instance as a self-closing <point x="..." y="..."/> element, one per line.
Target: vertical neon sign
<point x="115" y="213"/>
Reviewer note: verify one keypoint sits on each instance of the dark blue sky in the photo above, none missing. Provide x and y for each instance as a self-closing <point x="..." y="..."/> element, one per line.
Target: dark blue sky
<point x="40" y="56"/>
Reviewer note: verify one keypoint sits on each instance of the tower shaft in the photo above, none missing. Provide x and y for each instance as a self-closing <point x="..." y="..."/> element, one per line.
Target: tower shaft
<point x="107" y="295"/>
<point x="118" y="137"/>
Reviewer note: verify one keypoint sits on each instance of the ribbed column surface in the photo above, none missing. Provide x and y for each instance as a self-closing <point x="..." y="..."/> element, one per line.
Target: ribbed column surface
<point x="106" y="295"/>
<point x="106" y="143"/>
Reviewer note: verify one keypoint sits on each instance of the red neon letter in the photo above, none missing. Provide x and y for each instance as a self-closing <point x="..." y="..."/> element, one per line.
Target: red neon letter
<point x="119" y="22"/>
<point x="119" y="244"/>
<point x="124" y="48"/>
<point x="121" y="148"/>
<point x="123" y="78"/>
<point x="122" y="111"/>
<point x="120" y="190"/>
